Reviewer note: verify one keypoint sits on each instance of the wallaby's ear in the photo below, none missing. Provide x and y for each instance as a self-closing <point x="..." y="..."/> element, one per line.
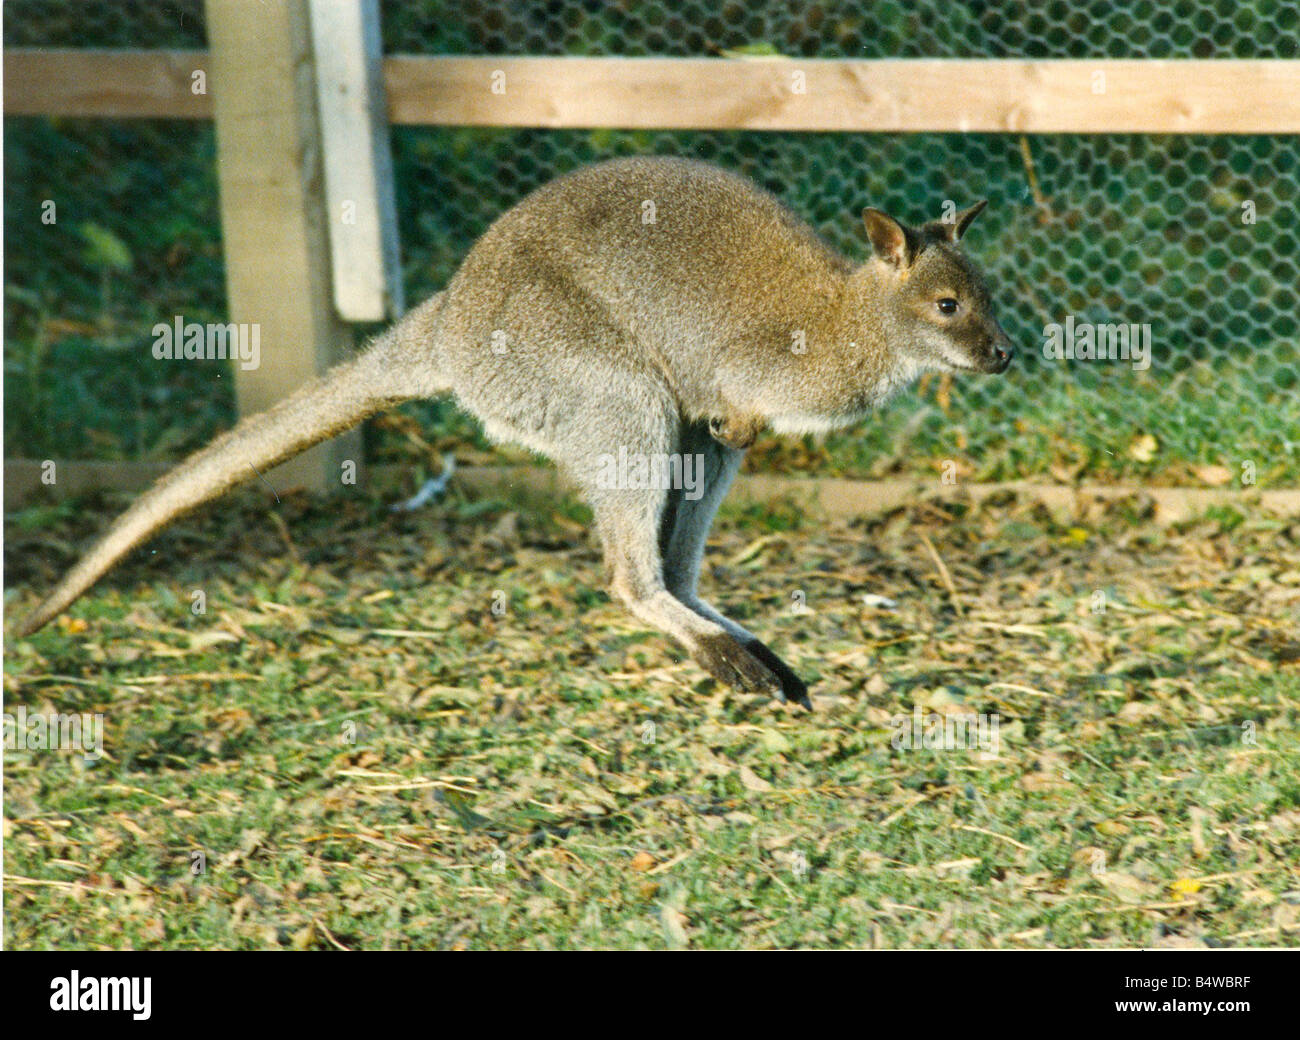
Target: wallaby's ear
<point x="893" y="243"/>
<point x="953" y="232"/>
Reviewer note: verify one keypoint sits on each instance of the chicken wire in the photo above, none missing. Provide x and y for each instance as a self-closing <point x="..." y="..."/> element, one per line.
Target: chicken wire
<point x="1191" y="235"/>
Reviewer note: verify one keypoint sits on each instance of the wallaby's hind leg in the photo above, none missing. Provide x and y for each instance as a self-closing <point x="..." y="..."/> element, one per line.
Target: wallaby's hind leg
<point x="629" y="523"/>
<point x="684" y="531"/>
<point x="581" y="403"/>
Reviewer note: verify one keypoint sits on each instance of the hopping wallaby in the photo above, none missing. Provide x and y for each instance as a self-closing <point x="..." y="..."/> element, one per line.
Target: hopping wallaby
<point x="660" y="307"/>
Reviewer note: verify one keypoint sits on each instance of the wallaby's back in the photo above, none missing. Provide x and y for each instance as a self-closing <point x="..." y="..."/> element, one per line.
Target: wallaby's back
<point x="664" y="261"/>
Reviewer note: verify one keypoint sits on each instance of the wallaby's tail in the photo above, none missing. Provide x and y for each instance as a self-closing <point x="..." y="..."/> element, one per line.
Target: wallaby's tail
<point x="382" y="376"/>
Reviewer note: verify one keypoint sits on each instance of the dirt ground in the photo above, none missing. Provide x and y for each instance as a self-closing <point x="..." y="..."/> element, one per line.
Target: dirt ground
<point x="436" y="730"/>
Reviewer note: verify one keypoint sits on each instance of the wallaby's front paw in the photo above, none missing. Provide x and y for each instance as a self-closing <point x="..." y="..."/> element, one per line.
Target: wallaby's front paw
<point x="730" y="663"/>
<point x="734" y="431"/>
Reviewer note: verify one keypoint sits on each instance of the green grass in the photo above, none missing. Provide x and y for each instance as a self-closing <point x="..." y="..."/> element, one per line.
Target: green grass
<point x="552" y="775"/>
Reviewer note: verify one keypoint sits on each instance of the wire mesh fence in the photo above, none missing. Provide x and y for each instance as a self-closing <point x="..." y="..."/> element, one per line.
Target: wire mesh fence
<point x="851" y="28"/>
<point x="136" y="237"/>
<point x="1188" y="241"/>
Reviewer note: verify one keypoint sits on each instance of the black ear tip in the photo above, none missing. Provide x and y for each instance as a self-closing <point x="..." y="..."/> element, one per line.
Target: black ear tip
<point x="964" y="219"/>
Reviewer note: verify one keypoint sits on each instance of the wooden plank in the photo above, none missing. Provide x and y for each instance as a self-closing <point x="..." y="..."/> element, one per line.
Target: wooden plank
<point x="360" y="198"/>
<point x="840" y="498"/>
<point x="890" y="95"/>
<point x="126" y="84"/>
<point x="1139" y="96"/>
<point x="23" y="484"/>
<point x="72" y="477"/>
<point x="273" y="215"/>
<point x="832" y="497"/>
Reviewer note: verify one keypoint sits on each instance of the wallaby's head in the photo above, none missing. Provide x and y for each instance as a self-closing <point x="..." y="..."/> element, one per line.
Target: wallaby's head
<point x="933" y="303"/>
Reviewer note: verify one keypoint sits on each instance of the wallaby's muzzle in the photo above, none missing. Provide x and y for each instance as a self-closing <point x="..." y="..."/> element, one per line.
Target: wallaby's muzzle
<point x="1003" y="351"/>
<point x="1002" y="354"/>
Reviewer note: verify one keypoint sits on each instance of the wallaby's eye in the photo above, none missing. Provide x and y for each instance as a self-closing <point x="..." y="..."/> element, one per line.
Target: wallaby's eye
<point x="947" y="305"/>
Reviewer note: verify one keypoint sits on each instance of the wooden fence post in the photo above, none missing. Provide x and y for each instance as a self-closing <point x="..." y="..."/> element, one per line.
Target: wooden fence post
<point x="276" y="245"/>
<point x="359" y="191"/>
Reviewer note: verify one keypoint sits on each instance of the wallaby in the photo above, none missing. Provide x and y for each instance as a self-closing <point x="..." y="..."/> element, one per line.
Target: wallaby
<point x="659" y="307"/>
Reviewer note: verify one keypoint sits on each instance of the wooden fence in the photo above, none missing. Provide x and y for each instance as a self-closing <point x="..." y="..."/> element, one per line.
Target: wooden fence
<point x="904" y="96"/>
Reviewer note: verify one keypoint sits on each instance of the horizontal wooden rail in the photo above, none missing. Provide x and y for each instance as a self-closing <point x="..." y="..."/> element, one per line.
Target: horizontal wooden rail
<point x="985" y="95"/>
<point x="117" y="84"/>
<point x="831" y="496"/>
<point x="889" y="95"/>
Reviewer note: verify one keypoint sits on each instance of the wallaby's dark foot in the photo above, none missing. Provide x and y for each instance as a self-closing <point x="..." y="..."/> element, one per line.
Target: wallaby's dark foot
<point x="735" y="431"/>
<point x="793" y="688"/>
<point x="728" y="662"/>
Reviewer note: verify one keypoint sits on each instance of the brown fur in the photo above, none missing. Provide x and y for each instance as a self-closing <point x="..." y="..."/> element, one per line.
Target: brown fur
<point x="580" y="327"/>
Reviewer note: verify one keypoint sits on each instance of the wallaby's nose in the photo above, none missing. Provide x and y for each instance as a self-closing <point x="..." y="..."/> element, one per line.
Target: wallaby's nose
<point x="1003" y="351"/>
